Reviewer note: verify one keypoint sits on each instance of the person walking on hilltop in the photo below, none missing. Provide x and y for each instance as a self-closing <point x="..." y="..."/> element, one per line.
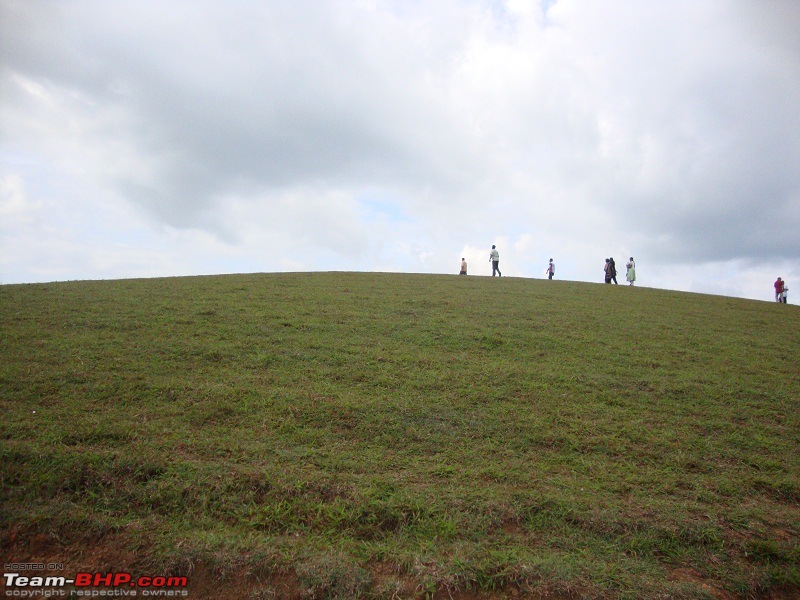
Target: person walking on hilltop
<point x="463" y="267"/>
<point x="630" y="275"/>
<point x="613" y="270"/>
<point x="607" y="270"/>
<point x="779" y="285"/>
<point x="551" y="269"/>
<point x="494" y="258"/>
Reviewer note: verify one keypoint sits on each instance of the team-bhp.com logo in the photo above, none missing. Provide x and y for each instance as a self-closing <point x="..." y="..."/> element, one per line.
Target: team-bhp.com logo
<point x="93" y="585"/>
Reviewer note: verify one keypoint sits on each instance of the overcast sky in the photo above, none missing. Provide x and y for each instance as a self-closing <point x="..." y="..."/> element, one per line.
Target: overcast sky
<point x="166" y="137"/>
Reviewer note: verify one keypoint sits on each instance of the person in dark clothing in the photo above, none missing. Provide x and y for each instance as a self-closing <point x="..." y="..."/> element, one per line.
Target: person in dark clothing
<point x="780" y="286"/>
<point x="613" y="270"/>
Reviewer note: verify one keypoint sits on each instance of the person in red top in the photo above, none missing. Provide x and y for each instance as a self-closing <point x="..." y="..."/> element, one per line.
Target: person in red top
<point x="779" y="290"/>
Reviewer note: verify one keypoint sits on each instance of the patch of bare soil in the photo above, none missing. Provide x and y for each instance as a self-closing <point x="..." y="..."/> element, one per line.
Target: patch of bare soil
<point x="43" y="555"/>
<point x="694" y="577"/>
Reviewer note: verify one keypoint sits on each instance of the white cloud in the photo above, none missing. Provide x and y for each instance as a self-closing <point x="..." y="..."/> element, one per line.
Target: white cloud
<point x="15" y="208"/>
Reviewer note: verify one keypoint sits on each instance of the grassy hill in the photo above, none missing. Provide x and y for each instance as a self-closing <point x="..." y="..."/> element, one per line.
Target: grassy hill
<point x="394" y="436"/>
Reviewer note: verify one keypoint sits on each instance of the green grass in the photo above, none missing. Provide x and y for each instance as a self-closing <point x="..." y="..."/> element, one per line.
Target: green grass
<point x="385" y="435"/>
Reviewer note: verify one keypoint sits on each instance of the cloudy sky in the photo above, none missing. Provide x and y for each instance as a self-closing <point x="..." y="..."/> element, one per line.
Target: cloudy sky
<point x="145" y="138"/>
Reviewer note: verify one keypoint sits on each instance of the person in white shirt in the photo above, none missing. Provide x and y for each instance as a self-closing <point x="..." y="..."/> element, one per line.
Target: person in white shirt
<point x="631" y="273"/>
<point x="494" y="258"/>
<point x="551" y="269"/>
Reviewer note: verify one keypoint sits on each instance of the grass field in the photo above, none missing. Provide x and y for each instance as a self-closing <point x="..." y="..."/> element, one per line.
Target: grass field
<point x="340" y="435"/>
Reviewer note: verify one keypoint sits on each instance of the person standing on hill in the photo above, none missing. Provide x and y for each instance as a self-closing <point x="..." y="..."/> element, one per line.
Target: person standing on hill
<point x="609" y="270"/>
<point x="785" y="292"/>
<point x="551" y="269"/>
<point x="630" y="275"/>
<point x="613" y="270"/>
<point x="463" y="266"/>
<point x="779" y="284"/>
<point x="494" y="258"/>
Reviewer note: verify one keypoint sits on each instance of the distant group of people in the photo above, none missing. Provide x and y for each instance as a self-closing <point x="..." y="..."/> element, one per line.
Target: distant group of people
<point x="550" y="271"/>
<point x="610" y="271"/>
<point x="781" y="290"/>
